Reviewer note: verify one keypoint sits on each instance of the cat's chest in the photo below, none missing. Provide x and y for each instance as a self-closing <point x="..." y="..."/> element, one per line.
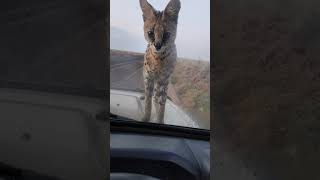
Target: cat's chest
<point x="159" y="63"/>
<point x="158" y="70"/>
<point x="156" y="64"/>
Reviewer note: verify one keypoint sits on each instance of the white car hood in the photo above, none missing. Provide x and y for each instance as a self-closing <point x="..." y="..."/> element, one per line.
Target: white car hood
<point x="128" y="104"/>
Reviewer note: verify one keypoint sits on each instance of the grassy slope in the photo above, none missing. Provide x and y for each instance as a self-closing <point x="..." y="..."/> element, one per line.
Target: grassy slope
<point x="191" y="80"/>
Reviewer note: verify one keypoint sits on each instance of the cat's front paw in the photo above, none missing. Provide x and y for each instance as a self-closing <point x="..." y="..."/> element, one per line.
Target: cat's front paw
<point x="145" y="118"/>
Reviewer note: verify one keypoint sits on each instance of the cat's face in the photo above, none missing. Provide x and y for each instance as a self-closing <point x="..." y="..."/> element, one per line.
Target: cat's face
<point x="160" y="27"/>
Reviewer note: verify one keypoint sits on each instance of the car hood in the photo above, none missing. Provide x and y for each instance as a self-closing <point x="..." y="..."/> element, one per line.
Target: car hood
<point x="128" y="104"/>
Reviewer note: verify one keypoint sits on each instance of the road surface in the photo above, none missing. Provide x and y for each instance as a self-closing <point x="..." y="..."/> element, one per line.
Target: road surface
<point x="126" y="73"/>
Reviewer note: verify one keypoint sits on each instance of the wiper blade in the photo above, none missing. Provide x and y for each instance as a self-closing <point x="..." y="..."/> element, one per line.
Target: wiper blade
<point x="111" y="115"/>
<point x="117" y="117"/>
<point x="104" y="116"/>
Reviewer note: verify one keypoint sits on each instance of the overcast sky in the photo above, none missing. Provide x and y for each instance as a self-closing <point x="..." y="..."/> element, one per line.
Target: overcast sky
<point x="193" y="37"/>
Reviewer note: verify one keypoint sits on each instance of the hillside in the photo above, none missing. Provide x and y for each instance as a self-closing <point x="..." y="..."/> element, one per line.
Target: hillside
<point x="191" y="80"/>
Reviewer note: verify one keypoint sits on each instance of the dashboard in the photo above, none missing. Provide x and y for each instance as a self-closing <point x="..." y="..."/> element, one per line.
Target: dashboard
<point x="158" y="156"/>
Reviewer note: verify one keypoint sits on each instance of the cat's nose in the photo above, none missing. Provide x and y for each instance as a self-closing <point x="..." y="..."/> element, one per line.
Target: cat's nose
<point x="158" y="46"/>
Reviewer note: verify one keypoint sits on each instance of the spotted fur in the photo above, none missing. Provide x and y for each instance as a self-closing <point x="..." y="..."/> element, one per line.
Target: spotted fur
<point x="160" y="28"/>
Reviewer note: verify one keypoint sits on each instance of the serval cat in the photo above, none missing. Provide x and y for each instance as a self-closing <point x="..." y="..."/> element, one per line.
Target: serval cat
<point x="160" y="29"/>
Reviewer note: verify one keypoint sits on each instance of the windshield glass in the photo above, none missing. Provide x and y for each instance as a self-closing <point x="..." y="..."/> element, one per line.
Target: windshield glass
<point x="161" y="53"/>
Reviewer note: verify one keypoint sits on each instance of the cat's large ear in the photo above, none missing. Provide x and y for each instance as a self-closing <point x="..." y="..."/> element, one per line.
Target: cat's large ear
<point x="147" y="10"/>
<point x="172" y="10"/>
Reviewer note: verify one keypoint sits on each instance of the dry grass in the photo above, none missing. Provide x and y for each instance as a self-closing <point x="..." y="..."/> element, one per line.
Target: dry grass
<point x="191" y="80"/>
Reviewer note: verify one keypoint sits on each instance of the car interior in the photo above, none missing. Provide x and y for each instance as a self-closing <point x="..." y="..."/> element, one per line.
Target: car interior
<point x="140" y="150"/>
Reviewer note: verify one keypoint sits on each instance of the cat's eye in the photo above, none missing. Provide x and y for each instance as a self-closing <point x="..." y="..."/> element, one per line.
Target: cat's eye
<point x="166" y="36"/>
<point x="151" y="34"/>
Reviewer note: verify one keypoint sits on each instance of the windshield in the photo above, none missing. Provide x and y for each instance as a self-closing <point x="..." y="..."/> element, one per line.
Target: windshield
<point x="138" y="70"/>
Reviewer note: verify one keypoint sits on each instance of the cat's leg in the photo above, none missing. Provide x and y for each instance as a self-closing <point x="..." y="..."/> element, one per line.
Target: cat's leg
<point x="148" y="90"/>
<point x="161" y="94"/>
<point x="156" y="95"/>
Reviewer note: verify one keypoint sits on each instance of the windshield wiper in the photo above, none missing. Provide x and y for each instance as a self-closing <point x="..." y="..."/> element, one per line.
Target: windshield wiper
<point x="117" y="117"/>
<point x="104" y="116"/>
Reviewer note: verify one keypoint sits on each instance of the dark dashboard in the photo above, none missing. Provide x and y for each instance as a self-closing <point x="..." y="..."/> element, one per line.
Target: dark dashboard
<point x="159" y="156"/>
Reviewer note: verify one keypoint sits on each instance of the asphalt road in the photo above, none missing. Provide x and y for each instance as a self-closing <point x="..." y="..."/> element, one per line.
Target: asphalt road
<point x="126" y="73"/>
